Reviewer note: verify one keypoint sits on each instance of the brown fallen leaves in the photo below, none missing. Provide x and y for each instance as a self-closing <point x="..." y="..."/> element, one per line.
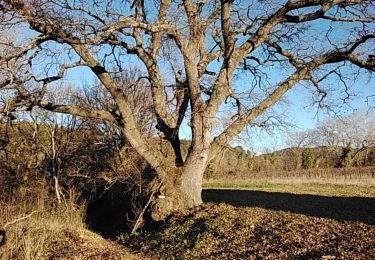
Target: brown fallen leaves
<point x="221" y="231"/>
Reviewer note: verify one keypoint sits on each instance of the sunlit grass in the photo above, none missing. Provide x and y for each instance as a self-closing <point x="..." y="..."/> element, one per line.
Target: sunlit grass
<point x="34" y="237"/>
<point x="299" y="188"/>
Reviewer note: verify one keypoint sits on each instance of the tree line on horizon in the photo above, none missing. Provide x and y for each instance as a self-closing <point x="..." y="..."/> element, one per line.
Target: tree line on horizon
<point x="72" y="150"/>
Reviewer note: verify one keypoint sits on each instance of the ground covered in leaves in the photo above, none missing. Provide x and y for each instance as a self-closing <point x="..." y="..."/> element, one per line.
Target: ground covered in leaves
<point x="223" y="231"/>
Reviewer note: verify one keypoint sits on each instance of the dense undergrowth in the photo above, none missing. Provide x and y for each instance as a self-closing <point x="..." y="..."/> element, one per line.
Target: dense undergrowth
<point x="34" y="237"/>
<point x="50" y="230"/>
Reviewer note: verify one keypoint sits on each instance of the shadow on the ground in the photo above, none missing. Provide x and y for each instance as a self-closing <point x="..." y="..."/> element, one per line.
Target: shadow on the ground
<point x="338" y="208"/>
<point x="107" y="217"/>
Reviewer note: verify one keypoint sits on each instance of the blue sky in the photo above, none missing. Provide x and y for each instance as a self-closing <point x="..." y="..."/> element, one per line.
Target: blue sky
<point x="302" y="116"/>
<point x="298" y="112"/>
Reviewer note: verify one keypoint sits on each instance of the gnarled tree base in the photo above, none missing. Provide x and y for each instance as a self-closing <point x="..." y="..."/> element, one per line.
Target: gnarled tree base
<point x="174" y="198"/>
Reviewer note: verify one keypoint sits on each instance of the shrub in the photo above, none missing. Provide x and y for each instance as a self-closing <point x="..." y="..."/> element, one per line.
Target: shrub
<point x="308" y="161"/>
<point x="346" y="156"/>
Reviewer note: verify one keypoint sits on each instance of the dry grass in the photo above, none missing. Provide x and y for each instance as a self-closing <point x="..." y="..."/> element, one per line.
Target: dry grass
<point x="271" y="218"/>
<point x="33" y="237"/>
<point x="362" y="178"/>
<point x="293" y="181"/>
<point x="53" y="231"/>
<point x="315" y="188"/>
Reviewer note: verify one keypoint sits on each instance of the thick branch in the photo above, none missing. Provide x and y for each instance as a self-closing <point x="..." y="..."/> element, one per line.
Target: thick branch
<point x="303" y="72"/>
<point x="79" y="111"/>
<point x="221" y="89"/>
<point x="130" y="128"/>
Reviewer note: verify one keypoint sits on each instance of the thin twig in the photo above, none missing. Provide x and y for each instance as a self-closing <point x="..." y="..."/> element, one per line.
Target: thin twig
<point x="140" y="216"/>
<point x="19" y="219"/>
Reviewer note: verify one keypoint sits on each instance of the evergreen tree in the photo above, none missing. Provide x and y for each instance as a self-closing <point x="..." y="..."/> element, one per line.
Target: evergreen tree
<point x="307" y="159"/>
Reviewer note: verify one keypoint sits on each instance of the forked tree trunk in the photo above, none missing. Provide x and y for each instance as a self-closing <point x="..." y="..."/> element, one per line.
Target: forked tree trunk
<point x="182" y="189"/>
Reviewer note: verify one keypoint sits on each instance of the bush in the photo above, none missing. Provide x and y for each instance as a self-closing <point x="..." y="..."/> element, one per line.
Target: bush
<point x="308" y="161"/>
<point x="346" y="156"/>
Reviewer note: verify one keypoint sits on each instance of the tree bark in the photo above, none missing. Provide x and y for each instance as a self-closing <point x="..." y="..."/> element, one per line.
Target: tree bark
<point x="182" y="189"/>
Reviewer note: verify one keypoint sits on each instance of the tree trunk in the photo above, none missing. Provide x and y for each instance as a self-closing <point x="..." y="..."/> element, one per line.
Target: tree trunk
<point x="181" y="190"/>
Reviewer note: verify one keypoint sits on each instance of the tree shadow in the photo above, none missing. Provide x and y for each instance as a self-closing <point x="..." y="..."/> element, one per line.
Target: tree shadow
<point x="339" y="208"/>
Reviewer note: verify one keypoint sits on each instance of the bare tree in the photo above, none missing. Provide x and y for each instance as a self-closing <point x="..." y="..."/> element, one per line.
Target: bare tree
<point x="195" y="54"/>
<point x="355" y="131"/>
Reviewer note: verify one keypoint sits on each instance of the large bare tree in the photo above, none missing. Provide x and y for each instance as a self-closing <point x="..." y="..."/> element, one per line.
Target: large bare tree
<point x="202" y="59"/>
